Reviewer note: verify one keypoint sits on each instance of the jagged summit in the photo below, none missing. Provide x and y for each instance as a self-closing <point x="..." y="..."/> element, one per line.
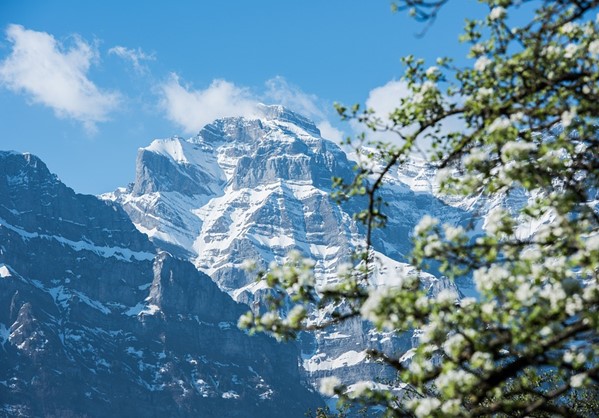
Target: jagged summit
<point x="256" y="188"/>
<point x="181" y="185"/>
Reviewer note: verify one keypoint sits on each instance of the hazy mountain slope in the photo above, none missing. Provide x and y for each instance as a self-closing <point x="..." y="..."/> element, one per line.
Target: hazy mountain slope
<point x="94" y="323"/>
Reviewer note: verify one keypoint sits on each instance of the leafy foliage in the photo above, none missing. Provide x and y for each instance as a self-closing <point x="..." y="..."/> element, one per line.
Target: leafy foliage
<point x="527" y="345"/>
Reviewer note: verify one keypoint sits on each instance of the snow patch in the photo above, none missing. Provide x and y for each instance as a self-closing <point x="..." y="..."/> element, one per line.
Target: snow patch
<point x="230" y="395"/>
<point x="4" y="333"/>
<point x="123" y="254"/>
<point x="5" y="271"/>
<point x="320" y="362"/>
<point x="142" y="309"/>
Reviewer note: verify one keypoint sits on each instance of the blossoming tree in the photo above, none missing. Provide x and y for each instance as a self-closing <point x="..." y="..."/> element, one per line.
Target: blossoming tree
<point x="527" y="345"/>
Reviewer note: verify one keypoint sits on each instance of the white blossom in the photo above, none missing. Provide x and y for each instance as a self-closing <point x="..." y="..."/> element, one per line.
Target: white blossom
<point x="516" y="149"/>
<point x="494" y="221"/>
<point x="568" y="116"/>
<point x="245" y="321"/>
<point x="525" y="294"/>
<point x="531" y="254"/>
<point x="451" y="407"/>
<point x="574" y="305"/>
<point x="359" y="388"/>
<point x="499" y="124"/>
<point x="482" y="63"/>
<point x="517" y="117"/>
<point x="372" y="303"/>
<point x="486" y="278"/>
<point x="476" y="155"/>
<point x="454" y="377"/>
<point x="294" y="256"/>
<point x="590" y="291"/>
<point x="555" y="294"/>
<point x="594" y="48"/>
<point x="497" y="13"/>
<point x="467" y="302"/>
<point x="426" y="406"/>
<point x="328" y="385"/>
<point x="484" y="92"/>
<point x="488" y="308"/>
<point x="592" y="243"/>
<point x="308" y="262"/>
<point x="551" y="51"/>
<point x="546" y="331"/>
<point x="568" y="28"/>
<point x="482" y="360"/>
<point x="422" y="302"/>
<point x="447" y="296"/>
<point x="428" y="333"/>
<point x="248" y="264"/>
<point x="432" y="246"/>
<point x="269" y="319"/>
<point x="452" y="233"/>
<point x="430" y="71"/>
<point x="570" y="50"/>
<point x="428" y="86"/>
<point x="443" y="174"/>
<point x="305" y="278"/>
<point x="477" y="49"/>
<point x="577" y="380"/>
<point x="296" y="314"/>
<point x="454" y="345"/>
<point x="344" y="269"/>
<point x="568" y="357"/>
<point x="426" y="223"/>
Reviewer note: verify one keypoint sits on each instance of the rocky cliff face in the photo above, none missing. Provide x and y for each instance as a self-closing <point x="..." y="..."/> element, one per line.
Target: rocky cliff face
<point x="95" y="322"/>
<point x="254" y="189"/>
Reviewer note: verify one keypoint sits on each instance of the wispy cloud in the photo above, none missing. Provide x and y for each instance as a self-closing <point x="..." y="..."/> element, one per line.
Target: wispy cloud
<point x="280" y="91"/>
<point x="53" y="75"/>
<point x="328" y="131"/>
<point x="383" y="100"/>
<point x="135" y="56"/>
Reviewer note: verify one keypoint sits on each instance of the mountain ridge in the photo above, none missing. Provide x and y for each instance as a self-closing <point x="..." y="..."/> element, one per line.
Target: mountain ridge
<point x="94" y="321"/>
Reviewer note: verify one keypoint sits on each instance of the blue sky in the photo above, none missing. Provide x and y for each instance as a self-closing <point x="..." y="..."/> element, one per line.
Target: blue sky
<point x="83" y="85"/>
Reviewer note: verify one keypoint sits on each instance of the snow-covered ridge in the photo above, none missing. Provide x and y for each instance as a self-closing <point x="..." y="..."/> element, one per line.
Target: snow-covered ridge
<point x="120" y="253"/>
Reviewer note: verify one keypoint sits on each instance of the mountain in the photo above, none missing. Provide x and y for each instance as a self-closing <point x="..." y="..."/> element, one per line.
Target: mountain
<point x="95" y="321"/>
<point x="256" y="188"/>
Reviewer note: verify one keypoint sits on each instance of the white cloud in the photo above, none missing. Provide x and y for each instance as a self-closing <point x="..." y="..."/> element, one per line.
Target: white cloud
<point x="55" y="76"/>
<point x="328" y="131"/>
<point x="136" y="57"/>
<point x="383" y="100"/>
<point x="192" y="109"/>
